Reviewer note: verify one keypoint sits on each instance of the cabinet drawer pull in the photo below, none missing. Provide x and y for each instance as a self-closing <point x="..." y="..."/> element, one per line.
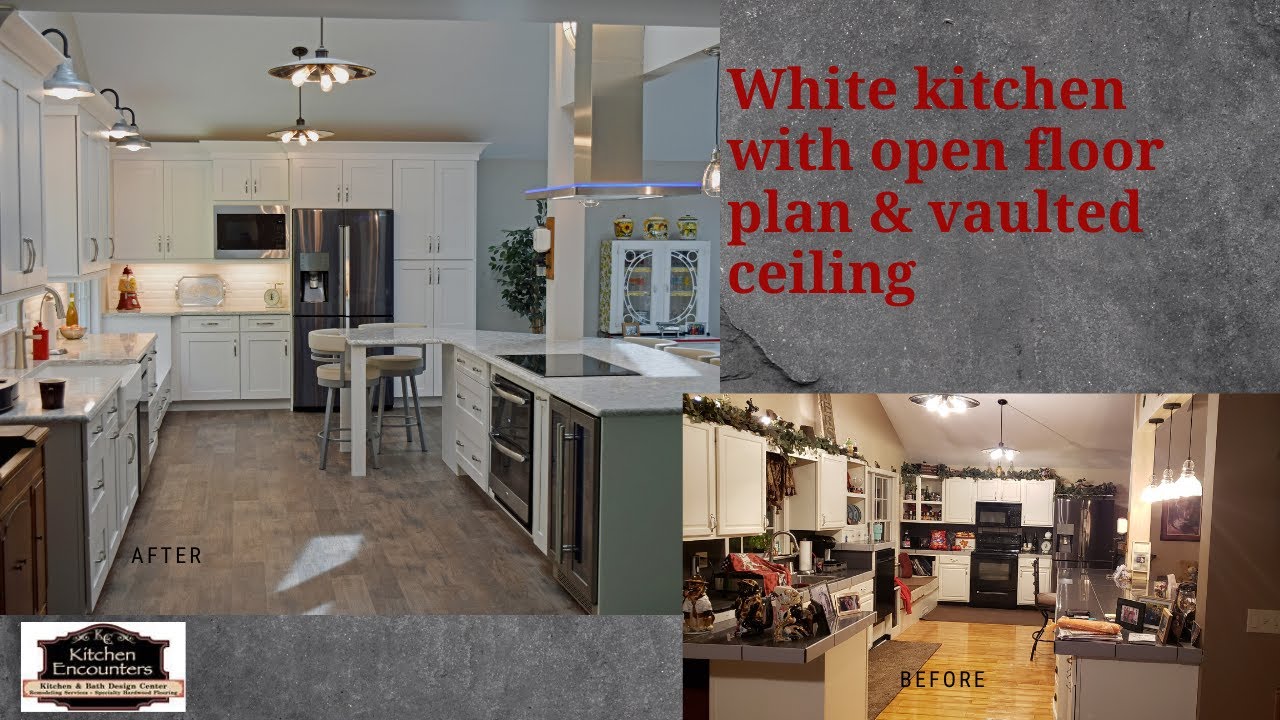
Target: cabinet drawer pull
<point x="213" y="323"/>
<point x="458" y="443"/>
<point x="475" y="459"/>
<point x="20" y="564"/>
<point x="460" y="397"/>
<point x="102" y="555"/>
<point x="98" y="430"/>
<point x="100" y="484"/>
<point x="473" y="407"/>
<point x="461" y="361"/>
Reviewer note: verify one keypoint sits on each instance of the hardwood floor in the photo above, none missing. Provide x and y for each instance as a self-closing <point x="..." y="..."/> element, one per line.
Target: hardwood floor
<point x="1014" y="688"/>
<point x="277" y="535"/>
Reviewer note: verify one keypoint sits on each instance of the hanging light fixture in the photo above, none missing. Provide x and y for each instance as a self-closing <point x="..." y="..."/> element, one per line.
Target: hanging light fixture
<point x="1001" y="452"/>
<point x="1166" y="490"/>
<point x="64" y="83"/>
<point x="944" y="404"/>
<point x="134" y="142"/>
<point x="570" y="29"/>
<point x="1151" y="493"/>
<point x="1188" y="485"/>
<point x="121" y="129"/>
<point x="301" y="132"/>
<point x="320" y="68"/>
<point x="711" y="176"/>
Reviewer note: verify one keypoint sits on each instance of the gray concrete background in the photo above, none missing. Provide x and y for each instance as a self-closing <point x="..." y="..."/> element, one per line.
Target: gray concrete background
<point x="457" y="667"/>
<point x="1190" y="304"/>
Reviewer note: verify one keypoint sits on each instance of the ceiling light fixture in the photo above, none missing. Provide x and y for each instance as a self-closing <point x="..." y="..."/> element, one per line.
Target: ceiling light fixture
<point x="944" y="404"/>
<point x="135" y="142"/>
<point x="1167" y="490"/>
<point x="121" y="129"/>
<point x="570" y="28"/>
<point x="301" y="132"/>
<point x="64" y="83"/>
<point x="1151" y="493"/>
<point x="319" y="68"/>
<point x="1001" y="452"/>
<point x="1188" y="485"/>
<point x="711" y="176"/>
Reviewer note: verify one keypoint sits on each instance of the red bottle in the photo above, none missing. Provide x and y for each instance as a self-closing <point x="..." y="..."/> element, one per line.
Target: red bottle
<point x="39" y="342"/>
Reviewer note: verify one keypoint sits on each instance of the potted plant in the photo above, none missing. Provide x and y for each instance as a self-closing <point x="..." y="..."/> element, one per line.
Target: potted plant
<point x="515" y="264"/>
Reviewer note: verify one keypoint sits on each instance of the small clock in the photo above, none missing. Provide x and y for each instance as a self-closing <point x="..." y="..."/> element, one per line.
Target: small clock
<point x="272" y="296"/>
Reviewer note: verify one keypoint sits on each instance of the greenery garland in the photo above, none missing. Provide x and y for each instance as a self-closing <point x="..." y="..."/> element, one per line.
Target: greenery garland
<point x="781" y="433"/>
<point x="1062" y="486"/>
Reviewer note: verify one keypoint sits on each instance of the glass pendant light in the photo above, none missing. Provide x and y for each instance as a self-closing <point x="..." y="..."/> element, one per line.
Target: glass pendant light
<point x="1151" y="493"/>
<point x="1188" y="485"/>
<point x="320" y="68"/>
<point x="121" y="129"/>
<point x="63" y="83"/>
<point x="1167" y="490"/>
<point x="1001" y="452"/>
<point x="711" y="176"/>
<point x="303" y="133"/>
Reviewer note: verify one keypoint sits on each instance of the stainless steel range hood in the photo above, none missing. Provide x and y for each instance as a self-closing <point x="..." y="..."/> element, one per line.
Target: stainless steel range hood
<point x="608" y="121"/>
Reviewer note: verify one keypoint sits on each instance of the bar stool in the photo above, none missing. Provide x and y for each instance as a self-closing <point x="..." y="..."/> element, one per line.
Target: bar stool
<point x="1046" y="603"/>
<point x="407" y="368"/>
<point x="692" y="353"/>
<point x="655" y="343"/>
<point x="714" y="360"/>
<point x="329" y="348"/>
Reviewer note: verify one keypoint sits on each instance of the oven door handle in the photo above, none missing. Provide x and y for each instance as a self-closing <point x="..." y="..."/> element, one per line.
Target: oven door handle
<point x="502" y="448"/>
<point x="507" y="394"/>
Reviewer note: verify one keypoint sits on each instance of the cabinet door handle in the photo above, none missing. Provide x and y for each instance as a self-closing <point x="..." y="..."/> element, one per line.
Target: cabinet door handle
<point x="133" y="450"/>
<point x="159" y="244"/>
<point x="95" y="249"/>
<point x="235" y="348"/>
<point x="460" y="396"/>
<point x="112" y="241"/>
<point x="348" y="193"/>
<point x="339" y="199"/>
<point x="24" y="260"/>
<point x="255" y="187"/>
<point x="246" y="186"/>
<point x="102" y="555"/>
<point x="100" y="484"/>
<point x="168" y="243"/>
<point x="458" y="443"/>
<point x="286" y="347"/>
<point x="98" y="430"/>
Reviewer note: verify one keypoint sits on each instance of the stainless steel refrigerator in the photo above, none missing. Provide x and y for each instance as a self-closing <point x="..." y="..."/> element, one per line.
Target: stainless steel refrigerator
<point x="1084" y="531"/>
<point x="342" y="276"/>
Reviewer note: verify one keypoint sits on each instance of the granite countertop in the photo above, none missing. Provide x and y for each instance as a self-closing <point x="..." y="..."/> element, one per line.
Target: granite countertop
<point x="720" y="644"/>
<point x="158" y="310"/>
<point x="1094" y="592"/>
<point x="102" y="349"/>
<point x="929" y="551"/>
<point x="864" y="547"/>
<point x="663" y="376"/>
<point x="83" y="396"/>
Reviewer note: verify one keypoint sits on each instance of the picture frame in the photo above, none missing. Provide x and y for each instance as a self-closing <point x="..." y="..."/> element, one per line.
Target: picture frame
<point x="847" y="602"/>
<point x="696" y="328"/>
<point x="1141" y="557"/>
<point x="630" y="329"/>
<point x="820" y="595"/>
<point x="1153" y="606"/>
<point x="1130" y="614"/>
<point x="1162" y="631"/>
<point x="1180" y="519"/>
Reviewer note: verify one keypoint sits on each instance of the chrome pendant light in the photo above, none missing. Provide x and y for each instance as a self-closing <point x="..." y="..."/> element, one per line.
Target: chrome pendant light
<point x="1151" y="493"/>
<point x="121" y="129"/>
<point x="1001" y="452"/>
<point x="135" y="142"/>
<point x="711" y="176"/>
<point x="301" y="131"/>
<point x="320" y="68"/>
<point x="944" y="404"/>
<point x="1187" y="484"/>
<point x="64" y="83"/>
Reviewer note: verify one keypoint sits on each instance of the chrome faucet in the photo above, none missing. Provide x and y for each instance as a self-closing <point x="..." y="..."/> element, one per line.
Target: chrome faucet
<point x="21" y="335"/>
<point x="773" y="537"/>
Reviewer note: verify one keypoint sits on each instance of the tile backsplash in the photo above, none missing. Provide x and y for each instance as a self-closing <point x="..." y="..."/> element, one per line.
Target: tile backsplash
<point x="245" y="281"/>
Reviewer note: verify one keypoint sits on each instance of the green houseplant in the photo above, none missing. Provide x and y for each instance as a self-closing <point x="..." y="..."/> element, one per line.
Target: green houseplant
<point x="515" y="264"/>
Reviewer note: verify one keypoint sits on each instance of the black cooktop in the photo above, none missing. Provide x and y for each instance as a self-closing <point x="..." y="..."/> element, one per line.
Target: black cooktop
<point x="566" y="365"/>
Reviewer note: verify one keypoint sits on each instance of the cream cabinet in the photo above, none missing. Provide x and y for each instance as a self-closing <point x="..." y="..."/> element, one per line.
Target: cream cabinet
<point x="439" y="295"/>
<point x="724" y="481"/>
<point x="222" y="357"/>
<point x="987" y="490"/>
<point x="128" y="476"/>
<point x="656" y="281"/>
<point x="821" y="492"/>
<point x="1027" y="578"/>
<point x="435" y="206"/>
<point x="958" y="497"/>
<point x="1010" y="490"/>
<point x="260" y="180"/>
<point x="699" y="507"/>
<point x="953" y="577"/>
<point x="163" y="209"/>
<point x="1037" y="503"/>
<point x="23" y="255"/>
<point x="364" y="184"/>
<point x="210" y="365"/>
<point x="265" y="366"/>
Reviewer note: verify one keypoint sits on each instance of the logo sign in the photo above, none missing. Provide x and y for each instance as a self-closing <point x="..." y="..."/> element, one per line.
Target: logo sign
<point x="71" y="667"/>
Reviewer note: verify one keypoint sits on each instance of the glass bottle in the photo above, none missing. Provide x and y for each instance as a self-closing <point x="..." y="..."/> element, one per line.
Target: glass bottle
<point x="73" y="315"/>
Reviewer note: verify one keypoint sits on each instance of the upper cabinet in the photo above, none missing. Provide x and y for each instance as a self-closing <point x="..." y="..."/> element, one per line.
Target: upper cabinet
<point x="435" y="209"/>
<point x="987" y="490"/>
<point x="821" y="489"/>
<point x="958" y="497"/>
<point x="724" y="488"/>
<point x="341" y="183"/>
<point x="23" y="254"/>
<point x="1037" y="503"/>
<point x="163" y="210"/>
<point x="261" y="181"/>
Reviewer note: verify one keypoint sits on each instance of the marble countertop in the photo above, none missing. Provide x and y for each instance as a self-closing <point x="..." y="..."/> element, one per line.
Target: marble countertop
<point x="158" y="310"/>
<point x="663" y="376"/>
<point x="101" y="349"/>
<point x="82" y="397"/>
<point x="720" y="644"/>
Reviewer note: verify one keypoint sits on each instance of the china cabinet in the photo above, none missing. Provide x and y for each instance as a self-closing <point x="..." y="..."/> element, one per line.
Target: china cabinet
<point x="659" y="281"/>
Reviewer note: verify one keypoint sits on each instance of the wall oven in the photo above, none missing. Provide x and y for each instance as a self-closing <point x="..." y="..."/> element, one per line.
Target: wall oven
<point x="250" y="232"/>
<point x="511" y="448"/>
<point x="999" y="515"/>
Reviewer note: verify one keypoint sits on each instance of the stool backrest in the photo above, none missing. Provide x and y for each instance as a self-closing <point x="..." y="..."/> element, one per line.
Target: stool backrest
<point x="693" y="353"/>
<point x="327" y="345"/>
<point x="714" y="360"/>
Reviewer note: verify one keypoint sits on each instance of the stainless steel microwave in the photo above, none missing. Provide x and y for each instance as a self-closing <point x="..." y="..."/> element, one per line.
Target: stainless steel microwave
<point x="251" y="231"/>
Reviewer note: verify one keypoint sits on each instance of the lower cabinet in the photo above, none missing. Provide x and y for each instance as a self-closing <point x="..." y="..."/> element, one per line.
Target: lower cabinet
<point x="23" y="557"/>
<point x="953" y="578"/>
<point x="265" y="365"/>
<point x="1027" y="578"/>
<point x="128" y="471"/>
<point x="227" y="358"/>
<point x="210" y="365"/>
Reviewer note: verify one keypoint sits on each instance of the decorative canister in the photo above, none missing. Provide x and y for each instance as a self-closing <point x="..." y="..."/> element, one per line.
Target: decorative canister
<point x="698" y="616"/>
<point x="687" y="225"/>
<point x="655" y="227"/>
<point x="623" y="226"/>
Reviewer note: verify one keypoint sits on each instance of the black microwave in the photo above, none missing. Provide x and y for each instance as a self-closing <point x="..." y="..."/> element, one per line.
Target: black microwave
<point x="999" y="515"/>
<point x="251" y="231"/>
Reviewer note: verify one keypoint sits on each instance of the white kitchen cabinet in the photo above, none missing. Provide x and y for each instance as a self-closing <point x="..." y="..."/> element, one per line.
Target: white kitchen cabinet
<point x="821" y="490"/>
<point x="337" y="183"/>
<point x="987" y="490"/>
<point x="699" y="507"/>
<point x="455" y="188"/>
<point x="265" y="365"/>
<point x="245" y="179"/>
<point x="435" y="206"/>
<point x="23" y="253"/>
<point x="958" y="496"/>
<point x="953" y="578"/>
<point x="209" y="365"/>
<point x="127" y="468"/>
<point x="162" y="210"/>
<point x="656" y="281"/>
<point x="438" y="294"/>
<point x="740" y="482"/>
<point x="1027" y="578"/>
<point x="1037" y="503"/>
<point x="1010" y="490"/>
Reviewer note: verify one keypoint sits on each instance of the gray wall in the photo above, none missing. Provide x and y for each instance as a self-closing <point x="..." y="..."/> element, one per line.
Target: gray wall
<point x="500" y="206"/>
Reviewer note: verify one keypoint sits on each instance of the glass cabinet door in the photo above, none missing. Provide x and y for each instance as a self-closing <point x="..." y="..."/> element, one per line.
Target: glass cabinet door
<point x="684" y="286"/>
<point x="638" y="287"/>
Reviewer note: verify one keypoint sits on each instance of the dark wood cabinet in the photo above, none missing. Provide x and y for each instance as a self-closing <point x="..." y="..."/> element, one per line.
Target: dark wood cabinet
<point x="23" y="557"/>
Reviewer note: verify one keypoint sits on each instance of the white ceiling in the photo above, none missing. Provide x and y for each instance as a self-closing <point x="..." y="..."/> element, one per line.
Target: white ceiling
<point x="1097" y="428"/>
<point x="700" y="13"/>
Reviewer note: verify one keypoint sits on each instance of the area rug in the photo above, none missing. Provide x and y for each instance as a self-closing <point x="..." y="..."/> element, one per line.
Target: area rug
<point x="886" y="663"/>
<point x="990" y="616"/>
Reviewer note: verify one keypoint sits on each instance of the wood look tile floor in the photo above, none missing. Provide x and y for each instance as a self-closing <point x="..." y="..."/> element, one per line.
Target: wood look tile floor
<point x="277" y="535"/>
<point x="1014" y="687"/>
